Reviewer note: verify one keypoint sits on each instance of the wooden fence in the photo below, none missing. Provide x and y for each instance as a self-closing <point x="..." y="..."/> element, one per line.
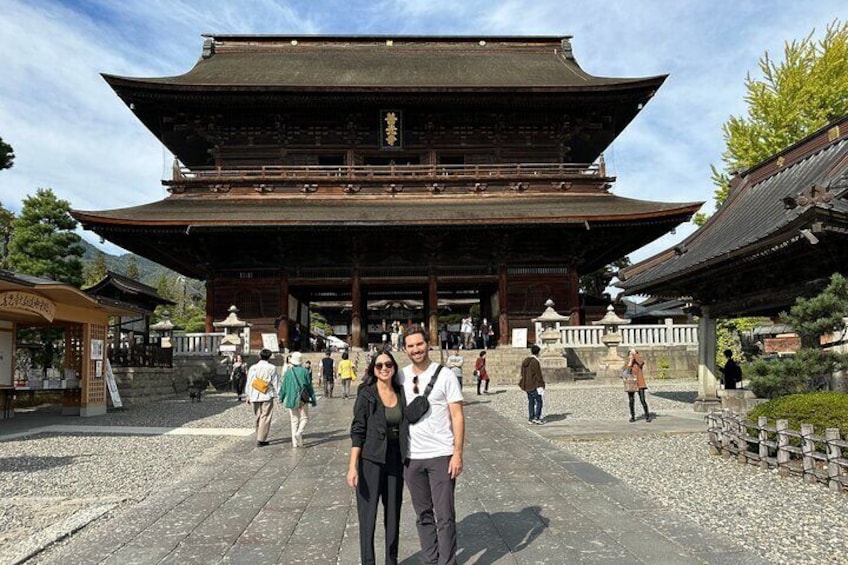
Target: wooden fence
<point x="815" y="457"/>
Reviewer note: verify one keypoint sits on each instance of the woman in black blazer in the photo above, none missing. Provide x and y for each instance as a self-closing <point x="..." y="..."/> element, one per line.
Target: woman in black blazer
<point x="380" y="437"/>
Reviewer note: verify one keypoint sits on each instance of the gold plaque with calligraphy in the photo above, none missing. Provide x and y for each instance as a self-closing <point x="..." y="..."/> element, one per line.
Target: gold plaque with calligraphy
<point x="391" y="129"/>
<point x="27" y="302"/>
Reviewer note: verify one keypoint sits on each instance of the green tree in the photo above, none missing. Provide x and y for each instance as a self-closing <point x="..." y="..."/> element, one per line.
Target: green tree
<point x="132" y="268"/>
<point x="811" y="318"/>
<point x="96" y="270"/>
<point x="43" y="242"/>
<point x="7" y="155"/>
<point x="794" y="97"/>
<point x="7" y="225"/>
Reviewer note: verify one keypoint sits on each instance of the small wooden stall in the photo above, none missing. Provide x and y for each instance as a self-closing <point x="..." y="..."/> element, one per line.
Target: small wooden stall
<point x="33" y="302"/>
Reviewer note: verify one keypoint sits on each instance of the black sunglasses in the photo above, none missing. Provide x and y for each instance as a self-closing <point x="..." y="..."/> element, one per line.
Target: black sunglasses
<point x="415" y="384"/>
<point x="379" y="366"/>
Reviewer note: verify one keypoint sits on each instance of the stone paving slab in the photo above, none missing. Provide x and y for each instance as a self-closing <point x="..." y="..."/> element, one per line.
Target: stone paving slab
<point x="523" y="498"/>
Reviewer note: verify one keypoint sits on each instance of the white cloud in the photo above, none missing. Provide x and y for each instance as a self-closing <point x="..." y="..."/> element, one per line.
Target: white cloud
<point x="70" y="132"/>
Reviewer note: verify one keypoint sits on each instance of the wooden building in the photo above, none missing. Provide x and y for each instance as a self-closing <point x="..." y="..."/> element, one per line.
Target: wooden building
<point x="33" y="302"/>
<point x="781" y="234"/>
<point x="316" y="168"/>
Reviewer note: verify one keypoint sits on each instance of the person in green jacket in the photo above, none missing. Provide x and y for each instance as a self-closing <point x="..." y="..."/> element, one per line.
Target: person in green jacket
<point x="295" y="380"/>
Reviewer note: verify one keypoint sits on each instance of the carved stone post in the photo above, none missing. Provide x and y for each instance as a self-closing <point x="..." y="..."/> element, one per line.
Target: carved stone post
<point x="283" y="319"/>
<point x="433" y="307"/>
<point x="707" y="400"/>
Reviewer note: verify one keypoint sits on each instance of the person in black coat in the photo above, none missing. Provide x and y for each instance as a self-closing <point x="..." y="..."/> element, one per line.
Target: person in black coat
<point x="380" y="438"/>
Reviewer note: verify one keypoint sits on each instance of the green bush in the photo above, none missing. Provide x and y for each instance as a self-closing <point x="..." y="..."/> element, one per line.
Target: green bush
<point x="807" y="371"/>
<point x="821" y="409"/>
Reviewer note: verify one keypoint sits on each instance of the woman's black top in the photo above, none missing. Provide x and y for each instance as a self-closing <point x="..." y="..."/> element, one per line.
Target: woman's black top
<point x="370" y="430"/>
<point x="394" y="416"/>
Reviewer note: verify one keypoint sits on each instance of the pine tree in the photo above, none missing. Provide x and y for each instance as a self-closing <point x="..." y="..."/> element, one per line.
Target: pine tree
<point x="7" y="224"/>
<point x="7" y="155"/>
<point x="96" y="270"/>
<point x="43" y="241"/>
<point x="132" y="268"/>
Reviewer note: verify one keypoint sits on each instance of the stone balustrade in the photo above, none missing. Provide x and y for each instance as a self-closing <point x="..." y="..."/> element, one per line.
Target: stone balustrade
<point x="632" y="336"/>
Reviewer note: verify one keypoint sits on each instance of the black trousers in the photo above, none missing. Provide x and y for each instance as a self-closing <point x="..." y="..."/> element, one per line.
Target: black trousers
<point x="380" y="483"/>
<point x="641" y="399"/>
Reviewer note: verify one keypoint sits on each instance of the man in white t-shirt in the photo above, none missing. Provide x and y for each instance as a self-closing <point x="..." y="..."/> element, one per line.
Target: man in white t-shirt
<point x="435" y="450"/>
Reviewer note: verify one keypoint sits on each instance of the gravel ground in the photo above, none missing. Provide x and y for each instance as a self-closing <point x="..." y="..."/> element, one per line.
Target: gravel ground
<point x="785" y="520"/>
<point x="43" y="478"/>
<point x="49" y="477"/>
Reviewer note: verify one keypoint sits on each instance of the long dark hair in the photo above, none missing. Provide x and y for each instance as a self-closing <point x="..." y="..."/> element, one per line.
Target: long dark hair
<point x="370" y="378"/>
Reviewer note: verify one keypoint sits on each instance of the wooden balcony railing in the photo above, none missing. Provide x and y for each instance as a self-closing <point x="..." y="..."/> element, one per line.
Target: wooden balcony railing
<point x="390" y="172"/>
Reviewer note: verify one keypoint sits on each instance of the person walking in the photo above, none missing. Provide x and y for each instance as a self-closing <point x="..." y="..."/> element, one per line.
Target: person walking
<point x="238" y="376"/>
<point x="480" y="372"/>
<point x="635" y="363"/>
<point x="533" y="383"/>
<point x="346" y="373"/>
<point x="262" y="385"/>
<point x="380" y="441"/>
<point x="466" y="328"/>
<point x="436" y="444"/>
<point x="485" y="333"/>
<point x="455" y="362"/>
<point x="328" y="374"/>
<point x="295" y="380"/>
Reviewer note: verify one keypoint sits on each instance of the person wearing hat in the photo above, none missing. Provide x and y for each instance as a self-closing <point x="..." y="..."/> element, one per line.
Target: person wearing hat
<point x="295" y="381"/>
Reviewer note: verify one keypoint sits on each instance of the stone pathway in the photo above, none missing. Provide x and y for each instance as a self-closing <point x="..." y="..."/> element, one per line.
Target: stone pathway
<point x="522" y="499"/>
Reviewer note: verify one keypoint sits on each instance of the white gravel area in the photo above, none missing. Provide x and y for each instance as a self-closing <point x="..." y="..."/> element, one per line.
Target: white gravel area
<point x="784" y="520"/>
<point x="46" y="478"/>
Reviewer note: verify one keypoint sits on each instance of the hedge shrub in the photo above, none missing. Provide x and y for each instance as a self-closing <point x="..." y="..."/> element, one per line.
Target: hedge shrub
<point x="821" y="409"/>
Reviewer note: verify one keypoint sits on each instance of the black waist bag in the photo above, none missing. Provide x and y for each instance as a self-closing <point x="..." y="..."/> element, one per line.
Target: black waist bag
<point x="419" y="406"/>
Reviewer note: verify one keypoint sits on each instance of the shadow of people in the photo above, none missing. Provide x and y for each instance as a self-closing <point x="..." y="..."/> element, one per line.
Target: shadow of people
<point x="555" y="417"/>
<point x="485" y="537"/>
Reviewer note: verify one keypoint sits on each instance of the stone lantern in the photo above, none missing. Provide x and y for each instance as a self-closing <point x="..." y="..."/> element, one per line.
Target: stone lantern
<point x="236" y="333"/>
<point x="612" y="363"/>
<point x="554" y="364"/>
<point x="165" y="329"/>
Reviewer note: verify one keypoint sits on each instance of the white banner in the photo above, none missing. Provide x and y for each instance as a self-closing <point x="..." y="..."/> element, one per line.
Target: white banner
<point x="113" y="386"/>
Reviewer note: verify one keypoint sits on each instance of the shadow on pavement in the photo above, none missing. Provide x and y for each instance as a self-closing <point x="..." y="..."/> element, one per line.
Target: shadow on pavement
<point x="517" y="529"/>
<point x="684" y="396"/>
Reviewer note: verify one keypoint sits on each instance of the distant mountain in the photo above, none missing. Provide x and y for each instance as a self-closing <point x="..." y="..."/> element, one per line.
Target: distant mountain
<point x="150" y="272"/>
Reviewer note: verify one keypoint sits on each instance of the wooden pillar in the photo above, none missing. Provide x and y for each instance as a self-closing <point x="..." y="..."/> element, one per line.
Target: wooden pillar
<point x="576" y="314"/>
<point x="503" y="316"/>
<point x="210" y="305"/>
<point x="356" y="310"/>
<point x="433" y="306"/>
<point x="707" y="385"/>
<point x="282" y="320"/>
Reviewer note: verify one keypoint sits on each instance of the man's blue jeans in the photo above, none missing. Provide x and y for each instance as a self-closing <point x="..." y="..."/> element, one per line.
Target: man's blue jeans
<point x="534" y="402"/>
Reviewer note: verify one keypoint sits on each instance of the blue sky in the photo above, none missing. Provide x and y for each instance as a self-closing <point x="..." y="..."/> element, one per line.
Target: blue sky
<point x="71" y="133"/>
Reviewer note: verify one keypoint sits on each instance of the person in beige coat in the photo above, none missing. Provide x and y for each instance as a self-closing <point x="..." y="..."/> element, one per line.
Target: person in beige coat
<point x="262" y="402"/>
<point x="635" y="363"/>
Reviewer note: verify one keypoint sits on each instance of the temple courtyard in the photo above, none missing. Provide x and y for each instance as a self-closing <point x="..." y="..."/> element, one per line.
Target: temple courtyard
<point x="180" y="482"/>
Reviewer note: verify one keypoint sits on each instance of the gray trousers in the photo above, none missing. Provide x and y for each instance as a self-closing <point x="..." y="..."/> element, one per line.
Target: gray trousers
<point x="262" y="411"/>
<point x="432" y="492"/>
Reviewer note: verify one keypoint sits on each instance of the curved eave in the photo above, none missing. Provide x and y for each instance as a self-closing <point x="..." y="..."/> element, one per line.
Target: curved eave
<point x="309" y="212"/>
<point x="169" y="85"/>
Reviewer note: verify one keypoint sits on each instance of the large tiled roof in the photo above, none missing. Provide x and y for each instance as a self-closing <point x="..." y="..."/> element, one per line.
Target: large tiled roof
<point x="271" y="210"/>
<point x="400" y="63"/>
<point x="765" y="209"/>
